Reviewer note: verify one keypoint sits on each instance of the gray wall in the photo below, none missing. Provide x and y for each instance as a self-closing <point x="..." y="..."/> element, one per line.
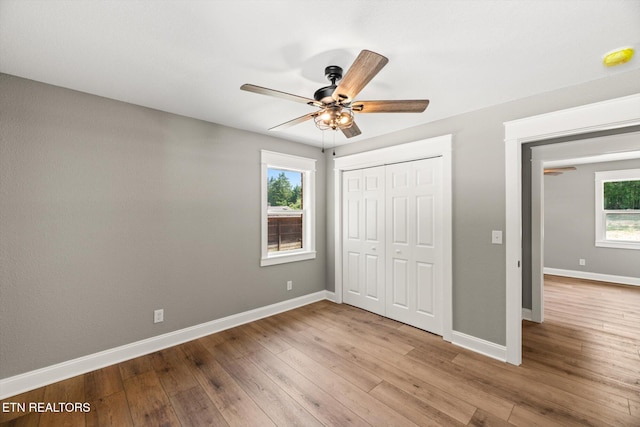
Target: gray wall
<point x="109" y="211"/>
<point x="479" y="195"/>
<point x="569" y="224"/>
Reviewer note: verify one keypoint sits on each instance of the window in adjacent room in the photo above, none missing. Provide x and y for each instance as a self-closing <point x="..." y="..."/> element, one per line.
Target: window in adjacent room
<point x="618" y="209"/>
<point x="288" y="208"/>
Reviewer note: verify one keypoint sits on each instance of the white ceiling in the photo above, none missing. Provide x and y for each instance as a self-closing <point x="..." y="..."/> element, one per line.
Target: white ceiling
<point x="191" y="57"/>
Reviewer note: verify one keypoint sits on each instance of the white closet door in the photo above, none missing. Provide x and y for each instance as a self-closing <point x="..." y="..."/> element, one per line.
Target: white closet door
<point x="414" y="243"/>
<point x="363" y="237"/>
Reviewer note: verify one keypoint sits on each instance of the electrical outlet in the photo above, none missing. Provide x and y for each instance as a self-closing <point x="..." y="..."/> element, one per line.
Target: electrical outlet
<point x="582" y="261"/>
<point x="289" y="285"/>
<point x="158" y="316"/>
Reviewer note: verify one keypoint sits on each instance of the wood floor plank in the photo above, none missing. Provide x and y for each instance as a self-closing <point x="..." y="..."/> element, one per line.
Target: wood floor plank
<point x="30" y="419"/>
<point x="608" y="396"/>
<point x="420" y="364"/>
<point x="385" y="334"/>
<point x="417" y="410"/>
<point x="148" y="403"/>
<point x="171" y="368"/>
<point x="230" y="399"/>
<point x="322" y="352"/>
<point x="110" y="411"/>
<point x="423" y="340"/>
<point x="288" y="321"/>
<point x="593" y="369"/>
<point x="614" y="392"/>
<point x="273" y="400"/>
<point x="133" y="367"/>
<point x="102" y="383"/>
<point x="444" y="402"/>
<point x="525" y="417"/>
<point x="194" y="408"/>
<point x="71" y="390"/>
<point x="368" y="408"/>
<point x="319" y="403"/>
<point x="508" y="377"/>
<point x="363" y="342"/>
<point x="239" y="342"/>
<point x="485" y="419"/>
<point x="268" y="340"/>
<point x="311" y="318"/>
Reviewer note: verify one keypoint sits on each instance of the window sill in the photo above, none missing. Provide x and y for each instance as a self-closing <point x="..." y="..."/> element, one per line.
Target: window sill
<point x="285" y="258"/>
<point x="619" y="245"/>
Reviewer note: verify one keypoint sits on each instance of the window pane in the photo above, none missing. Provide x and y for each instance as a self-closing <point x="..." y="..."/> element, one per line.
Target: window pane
<point x="619" y="195"/>
<point x="623" y="226"/>
<point x="284" y="213"/>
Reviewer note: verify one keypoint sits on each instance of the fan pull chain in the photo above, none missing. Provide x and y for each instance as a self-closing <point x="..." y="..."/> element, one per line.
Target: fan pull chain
<point x="323" y="141"/>
<point x="334" y="141"/>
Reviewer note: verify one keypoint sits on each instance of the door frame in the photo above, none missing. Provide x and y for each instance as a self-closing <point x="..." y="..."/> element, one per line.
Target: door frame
<point x="611" y="114"/>
<point x="433" y="147"/>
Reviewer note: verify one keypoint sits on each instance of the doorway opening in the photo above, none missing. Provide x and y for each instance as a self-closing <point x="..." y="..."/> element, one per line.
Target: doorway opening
<point x="606" y="115"/>
<point x="576" y="150"/>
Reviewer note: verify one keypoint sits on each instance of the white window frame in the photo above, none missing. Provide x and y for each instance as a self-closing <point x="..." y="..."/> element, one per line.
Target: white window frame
<point x="307" y="167"/>
<point x="601" y="220"/>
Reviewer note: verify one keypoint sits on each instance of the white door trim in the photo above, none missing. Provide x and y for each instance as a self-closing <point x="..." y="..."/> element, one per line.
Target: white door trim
<point x="432" y="147"/>
<point x="611" y="114"/>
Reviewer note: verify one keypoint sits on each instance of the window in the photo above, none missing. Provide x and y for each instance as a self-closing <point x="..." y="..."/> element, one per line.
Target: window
<point x="618" y="209"/>
<point x="288" y="208"/>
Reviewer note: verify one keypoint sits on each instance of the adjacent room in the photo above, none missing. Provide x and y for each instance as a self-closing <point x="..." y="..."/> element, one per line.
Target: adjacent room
<point x="267" y="213"/>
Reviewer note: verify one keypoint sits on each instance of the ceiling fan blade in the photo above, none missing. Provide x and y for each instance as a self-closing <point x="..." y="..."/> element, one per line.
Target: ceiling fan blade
<point x="363" y="69"/>
<point x="552" y="173"/>
<point x="294" y="122"/>
<point x="351" y="131"/>
<point x="278" y="94"/>
<point x="400" y="106"/>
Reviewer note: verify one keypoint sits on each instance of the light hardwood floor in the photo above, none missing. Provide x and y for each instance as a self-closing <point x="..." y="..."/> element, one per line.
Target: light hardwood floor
<point x="335" y="365"/>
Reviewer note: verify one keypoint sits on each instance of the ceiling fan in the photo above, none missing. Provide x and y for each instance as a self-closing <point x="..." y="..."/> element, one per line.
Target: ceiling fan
<point x="336" y="102"/>
<point x="558" y="171"/>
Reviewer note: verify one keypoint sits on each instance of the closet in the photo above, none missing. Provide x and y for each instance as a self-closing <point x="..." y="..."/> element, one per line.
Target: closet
<point x="392" y="241"/>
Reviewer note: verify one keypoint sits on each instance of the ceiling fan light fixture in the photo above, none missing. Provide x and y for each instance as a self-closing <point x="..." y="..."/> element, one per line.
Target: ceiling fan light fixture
<point x="333" y="118"/>
<point x="346" y="118"/>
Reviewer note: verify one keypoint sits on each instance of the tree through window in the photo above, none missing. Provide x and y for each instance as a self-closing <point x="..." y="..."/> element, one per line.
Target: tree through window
<point x="618" y="209"/>
<point x="284" y="213"/>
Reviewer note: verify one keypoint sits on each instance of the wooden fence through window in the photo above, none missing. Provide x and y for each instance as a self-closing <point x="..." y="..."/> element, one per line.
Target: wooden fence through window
<point x="285" y="232"/>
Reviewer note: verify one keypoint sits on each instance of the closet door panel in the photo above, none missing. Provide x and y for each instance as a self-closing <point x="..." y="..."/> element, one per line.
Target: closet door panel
<point x="414" y="218"/>
<point x="363" y="239"/>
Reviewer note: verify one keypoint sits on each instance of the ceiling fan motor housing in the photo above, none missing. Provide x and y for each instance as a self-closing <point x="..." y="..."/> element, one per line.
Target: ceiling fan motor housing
<point x="333" y="73"/>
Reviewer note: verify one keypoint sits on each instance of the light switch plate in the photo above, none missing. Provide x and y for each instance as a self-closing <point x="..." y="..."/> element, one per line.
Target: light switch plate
<point x="496" y="237"/>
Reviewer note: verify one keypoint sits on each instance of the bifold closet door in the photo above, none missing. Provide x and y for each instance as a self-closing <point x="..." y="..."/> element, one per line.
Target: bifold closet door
<point x="414" y="243"/>
<point x="363" y="254"/>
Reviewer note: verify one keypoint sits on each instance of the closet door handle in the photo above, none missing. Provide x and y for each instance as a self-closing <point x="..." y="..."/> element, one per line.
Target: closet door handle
<point x="397" y="251"/>
<point x="373" y="248"/>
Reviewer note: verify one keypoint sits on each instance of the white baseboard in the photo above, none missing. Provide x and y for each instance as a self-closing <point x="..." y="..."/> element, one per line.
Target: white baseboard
<point x="331" y="296"/>
<point x="624" y="280"/>
<point x="40" y="377"/>
<point x="481" y="346"/>
<point x="526" y="314"/>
